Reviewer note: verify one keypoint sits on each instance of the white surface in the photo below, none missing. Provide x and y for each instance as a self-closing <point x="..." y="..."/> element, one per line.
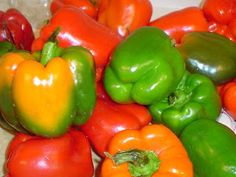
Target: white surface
<point x="160" y="7"/>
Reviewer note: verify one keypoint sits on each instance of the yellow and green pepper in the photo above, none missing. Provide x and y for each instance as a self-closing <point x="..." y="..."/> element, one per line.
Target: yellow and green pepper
<point x="46" y="97"/>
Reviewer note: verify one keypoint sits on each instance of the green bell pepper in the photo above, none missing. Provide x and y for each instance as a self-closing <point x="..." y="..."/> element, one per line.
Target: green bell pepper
<point x="210" y="54"/>
<point x="211" y="147"/>
<point x="195" y="97"/>
<point x="144" y="68"/>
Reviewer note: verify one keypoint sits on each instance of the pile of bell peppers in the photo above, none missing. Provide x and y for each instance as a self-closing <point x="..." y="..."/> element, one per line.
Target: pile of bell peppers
<point x="139" y="93"/>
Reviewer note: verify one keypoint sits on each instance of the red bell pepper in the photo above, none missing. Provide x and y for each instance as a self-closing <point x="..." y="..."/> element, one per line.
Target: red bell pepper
<point x="232" y="28"/>
<point x="124" y="16"/>
<point x="109" y="118"/>
<point x="221" y="15"/>
<point x="220" y="11"/>
<point x="88" y="6"/>
<point x="66" y="156"/>
<point x="224" y="30"/>
<point x="77" y="28"/>
<point x="179" y="22"/>
<point x="15" y="28"/>
<point x="228" y="97"/>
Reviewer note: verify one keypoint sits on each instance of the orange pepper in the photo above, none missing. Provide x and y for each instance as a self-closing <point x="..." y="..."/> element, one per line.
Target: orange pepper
<point x="124" y="16"/>
<point x="172" y="158"/>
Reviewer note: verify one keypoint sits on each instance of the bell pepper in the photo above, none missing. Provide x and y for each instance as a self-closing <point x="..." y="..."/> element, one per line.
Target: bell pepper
<point x="144" y="68"/>
<point x="87" y="6"/>
<point x="125" y="16"/>
<point x="109" y="118"/>
<point x="153" y="151"/>
<point x="228" y="97"/>
<point x="15" y="28"/>
<point x="211" y="148"/>
<point x="46" y="97"/>
<point x="77" y="28"/>
<point x="66" y="156"/>
<point x="210" y="54"/>
<point x="220" y="11"/>
<point x="180" y="22"/>
<point x="195" y="97"/>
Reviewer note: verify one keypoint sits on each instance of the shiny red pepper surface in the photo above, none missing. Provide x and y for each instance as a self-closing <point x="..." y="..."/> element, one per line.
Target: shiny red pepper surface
<point x="66" y="156"/>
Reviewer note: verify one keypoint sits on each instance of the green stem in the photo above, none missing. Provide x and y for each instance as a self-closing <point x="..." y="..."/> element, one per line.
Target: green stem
<point x="141" y="163"/>
<point x="50" y="50"/>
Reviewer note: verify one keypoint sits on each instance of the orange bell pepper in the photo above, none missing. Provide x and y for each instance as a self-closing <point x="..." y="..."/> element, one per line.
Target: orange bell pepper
<point x="152" y="151"/>
<point x="179" y="22"/>
<point x="86" y="6"/>
<point x="124" y="16"/>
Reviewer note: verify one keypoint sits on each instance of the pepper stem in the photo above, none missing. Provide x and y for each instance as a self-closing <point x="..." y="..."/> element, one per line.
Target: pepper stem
<point x="51" y="48"/>
<point x="141" y="163"/>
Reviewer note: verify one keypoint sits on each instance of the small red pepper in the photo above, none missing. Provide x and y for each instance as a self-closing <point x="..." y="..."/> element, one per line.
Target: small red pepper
<point x="109" y="118"/>
<point x="179" y="22"/>
<point x="77" y="28"/>
<point x="65" y="156"/>
<point x="15" y="28"/>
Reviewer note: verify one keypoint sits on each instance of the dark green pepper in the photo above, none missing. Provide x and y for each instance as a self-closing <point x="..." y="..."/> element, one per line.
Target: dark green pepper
<point x="210" y="54"/>
<point x="211" y="146"/>
<point x="144" y="68"/>
<point x="195" y="97"/>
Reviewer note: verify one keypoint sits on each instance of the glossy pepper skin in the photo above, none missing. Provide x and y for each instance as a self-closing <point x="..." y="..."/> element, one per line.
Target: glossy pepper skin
<point x="195" y="97"/>
<point x="66" y="156"/>
<point x="144" y="68"/>
<point x="180" y="22"/>
<point x="77" y="28"/>
<point x="51" y="95"/>
<point x="87" y="6"/>
<point x="210" y="54"/>
<point x="9" y="62"/>
<point x="220" y="11"/>
<point x="211" y="148"/>
<point x="15" y="28"/>
<point x="228" y="97"/>
<point x="109" y="118"/>
<point x="168" y="156"/>
<point x="124" y="16"/>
